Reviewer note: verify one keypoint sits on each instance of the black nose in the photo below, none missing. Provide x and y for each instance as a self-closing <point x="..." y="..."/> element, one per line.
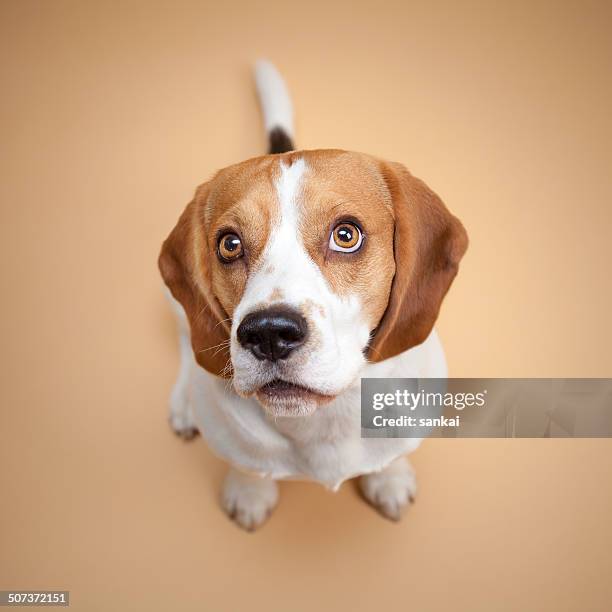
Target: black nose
<point x="272" y="333"/>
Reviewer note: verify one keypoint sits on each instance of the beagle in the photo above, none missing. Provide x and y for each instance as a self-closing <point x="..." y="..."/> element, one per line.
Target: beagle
<point x="293" y="275"/>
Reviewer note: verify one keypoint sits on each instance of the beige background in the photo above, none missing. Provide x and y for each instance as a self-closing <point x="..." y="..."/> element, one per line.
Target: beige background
<point x="112" y="113"/>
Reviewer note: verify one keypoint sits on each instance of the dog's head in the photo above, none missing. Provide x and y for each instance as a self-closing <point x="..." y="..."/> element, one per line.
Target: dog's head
<point x="296" y="269"/>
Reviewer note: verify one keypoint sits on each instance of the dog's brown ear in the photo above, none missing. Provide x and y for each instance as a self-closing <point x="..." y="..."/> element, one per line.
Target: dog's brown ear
<point x="185" y="267"/>
<point x="428" y="245"/>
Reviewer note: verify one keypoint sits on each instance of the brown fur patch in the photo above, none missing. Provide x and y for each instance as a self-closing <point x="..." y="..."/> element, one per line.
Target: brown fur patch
<point x="429" y="244"/>
<point x="343" y="186"/>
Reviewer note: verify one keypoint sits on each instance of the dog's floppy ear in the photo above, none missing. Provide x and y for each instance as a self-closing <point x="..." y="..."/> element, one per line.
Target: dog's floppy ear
<point x="428" y="245"/>
<point x="185" y="267"/>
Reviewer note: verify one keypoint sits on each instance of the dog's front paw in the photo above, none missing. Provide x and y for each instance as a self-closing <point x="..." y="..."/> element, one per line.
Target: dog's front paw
<point x="183" y="426"/>
<point x="391" y="489"/>
<point x="181" y="418"/>
<point x="248" y="500"/>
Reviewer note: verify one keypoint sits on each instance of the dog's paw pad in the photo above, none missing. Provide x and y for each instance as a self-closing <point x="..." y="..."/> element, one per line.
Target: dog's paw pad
<point x="188" y="433"/>
<point x="248" y="500"/>
<point x="390" y="490"/>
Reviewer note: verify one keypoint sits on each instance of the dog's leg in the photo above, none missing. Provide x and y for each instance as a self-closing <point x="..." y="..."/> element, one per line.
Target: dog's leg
<point x="248" y="500"/>
<point x="391" y="489"/>
<point x="181" y="416"/>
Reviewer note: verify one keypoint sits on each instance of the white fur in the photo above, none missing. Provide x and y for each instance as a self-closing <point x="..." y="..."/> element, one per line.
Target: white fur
<point x="274" y="98"/>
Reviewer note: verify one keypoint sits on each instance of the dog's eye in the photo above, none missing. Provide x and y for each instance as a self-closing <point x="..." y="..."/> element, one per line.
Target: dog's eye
<point x="346" y="238"/>
<point x="230" y="247"/>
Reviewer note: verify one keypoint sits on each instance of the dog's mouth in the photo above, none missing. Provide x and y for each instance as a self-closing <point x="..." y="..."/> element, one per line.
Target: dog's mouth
<point x="282" y="392"/>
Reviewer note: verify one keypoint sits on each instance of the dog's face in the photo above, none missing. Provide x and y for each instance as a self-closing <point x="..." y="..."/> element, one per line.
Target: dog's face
<point x="296" y="269"/>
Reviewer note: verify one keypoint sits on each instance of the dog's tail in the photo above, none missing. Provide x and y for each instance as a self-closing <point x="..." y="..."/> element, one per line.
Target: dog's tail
<point x="275" y="106"/>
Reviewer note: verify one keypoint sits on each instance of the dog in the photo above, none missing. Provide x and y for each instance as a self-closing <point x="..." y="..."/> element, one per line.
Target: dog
<point x="293" y="275"/>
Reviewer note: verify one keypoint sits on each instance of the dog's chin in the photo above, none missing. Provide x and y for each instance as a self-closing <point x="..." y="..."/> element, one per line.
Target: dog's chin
<point x="280" y="398"/>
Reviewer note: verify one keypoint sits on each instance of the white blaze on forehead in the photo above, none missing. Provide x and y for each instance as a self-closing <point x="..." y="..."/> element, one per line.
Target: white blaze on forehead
<point x="288" y="186"/>
<point x="294" y="271"/>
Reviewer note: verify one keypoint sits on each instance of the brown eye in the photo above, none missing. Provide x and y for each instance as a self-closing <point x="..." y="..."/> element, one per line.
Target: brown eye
<point x="346" y="238"/>
<point x="230" y="247"/>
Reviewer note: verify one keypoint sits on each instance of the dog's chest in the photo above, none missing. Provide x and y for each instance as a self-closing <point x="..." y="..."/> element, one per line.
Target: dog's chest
<point x="326" y="446"/>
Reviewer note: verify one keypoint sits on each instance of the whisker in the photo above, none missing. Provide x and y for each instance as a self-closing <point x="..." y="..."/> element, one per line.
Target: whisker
<point x="223" y="344"/>
<point x="220" y="349"/>
<point x="222" y="321"/>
